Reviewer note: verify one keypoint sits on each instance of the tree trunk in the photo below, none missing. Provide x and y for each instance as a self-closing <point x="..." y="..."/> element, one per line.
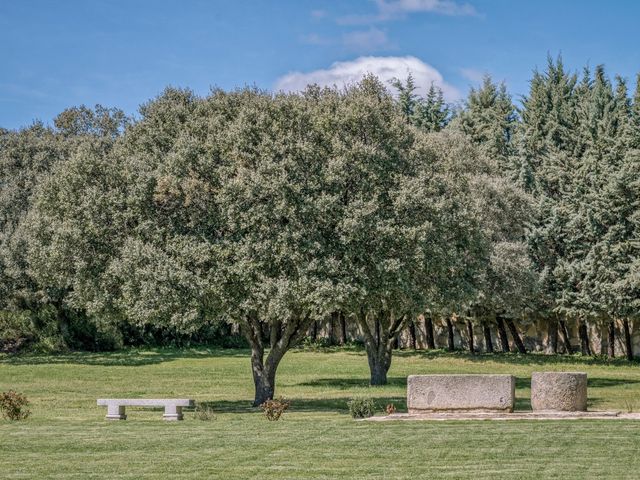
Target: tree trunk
<point x="343" y="329"/>
<point x="552" y="333"/>
<point x="379" y="342"/>
<point x="282" y="336"/>
<point x="412" y="334"/>
<point x="379" y="364"/>
<point x="502" y="333"/>
<point x="428" y="325"/>
<point x="63" y="323"/>
<point x="566" y="339"/>
<point x="470" y="334"/>
<point x="516" y="336"/>
<point x="611" y="347"/>
<point x="264" y="377"/>
<point x="488" y="343"/>
<point x="450" y="338"/>
<point x="585" y="346"/>
<point x="314" y="332"/>
<point x="627" y="339"/>
<point x="331" y="335"/>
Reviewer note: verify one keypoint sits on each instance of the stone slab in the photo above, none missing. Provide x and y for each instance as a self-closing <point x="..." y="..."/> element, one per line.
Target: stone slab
<point x="146" y="402"/>
<point x="526" y="415"/>
<point x="471" y="393"/>
<point x="559" y="391"/>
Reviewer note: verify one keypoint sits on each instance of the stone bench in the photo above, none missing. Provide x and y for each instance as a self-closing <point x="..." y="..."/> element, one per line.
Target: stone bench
<point x="559" y="391"/>
<point x="172" y="406"/>
<point x="470" y="393"/>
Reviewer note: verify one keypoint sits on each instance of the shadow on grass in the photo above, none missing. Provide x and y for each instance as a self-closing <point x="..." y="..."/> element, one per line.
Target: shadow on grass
<point x="348" y="383"/>
<point x="344" y="383"/>
<point x="609" y="382"/>
<point x="532" y="358"/>
<point x="122" y="358"/>
<point x="315" y="405"/>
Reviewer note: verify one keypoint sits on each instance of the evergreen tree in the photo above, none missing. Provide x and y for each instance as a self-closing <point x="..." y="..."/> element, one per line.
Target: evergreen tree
<point x="547" y="143"/>
<point x="635" y="116"/>
<point x="490" y="119"/>
<point x="429" y="113"/>
<point x="432" y="114"/>
<point x="408" y="99"/>
<point x="602" y="242"/>
<point x="509" y="281"/>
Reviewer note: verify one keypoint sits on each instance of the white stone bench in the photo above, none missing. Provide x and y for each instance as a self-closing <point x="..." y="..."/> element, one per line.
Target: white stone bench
<point x="172" y="406"/>
<point x="469" y="393"/>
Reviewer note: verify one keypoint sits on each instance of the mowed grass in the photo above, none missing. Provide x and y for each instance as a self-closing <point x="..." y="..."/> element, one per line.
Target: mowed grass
<point x="67" y="436"/>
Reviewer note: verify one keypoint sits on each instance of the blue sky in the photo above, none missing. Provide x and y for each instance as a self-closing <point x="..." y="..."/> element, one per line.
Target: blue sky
<point x="56" y="54"/>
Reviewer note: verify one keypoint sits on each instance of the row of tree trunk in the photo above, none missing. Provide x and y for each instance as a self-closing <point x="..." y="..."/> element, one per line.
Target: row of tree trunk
<point x="337" y="330"/>
<point x="337" y="335"/>
<point x="555" y="328"/>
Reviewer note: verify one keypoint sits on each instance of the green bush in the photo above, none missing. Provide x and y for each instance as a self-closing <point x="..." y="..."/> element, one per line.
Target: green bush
<point x="16" y="331"/>
<point x="14" y="405"/>
<point x="361" y="407"/>
<point x="311" y="345"/>
<point x="46" y="330"/>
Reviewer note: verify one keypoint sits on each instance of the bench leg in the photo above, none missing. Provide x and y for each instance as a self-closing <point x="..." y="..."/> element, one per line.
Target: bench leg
<point x="116" y="412"/>
<point x="172" y="413"/>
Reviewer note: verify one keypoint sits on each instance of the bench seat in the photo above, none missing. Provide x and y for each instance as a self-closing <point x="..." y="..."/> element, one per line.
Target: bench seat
<point x="172" y="406"/>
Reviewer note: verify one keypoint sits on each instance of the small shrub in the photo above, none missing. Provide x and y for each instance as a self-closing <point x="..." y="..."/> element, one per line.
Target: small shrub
<point x="310" y="345"/>
<point x="16" y="331"/>
<point x="361" y="407"/>
<point x="234" y="341"/>
<point x="204" y="412"/>
<point x="14" y="405"/>
<point x="273" y="409"/>
<point x="390" y="409"/>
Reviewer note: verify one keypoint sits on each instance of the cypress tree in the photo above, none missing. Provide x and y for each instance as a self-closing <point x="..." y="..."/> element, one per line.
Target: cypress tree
<point x="429" y="113"/>
<point x="490" y="119"/>
<point x="548" y="142"/>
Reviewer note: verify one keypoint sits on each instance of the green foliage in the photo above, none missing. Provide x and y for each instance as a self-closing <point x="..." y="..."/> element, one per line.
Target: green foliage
<point x="16" y="331"/>
<point x="316" y="345"/>
<point x="429" y="113"/>
<point x="490" y="119"/>
<point x="270" y="211"/>
<point x="362" y="407"/>
<point x="100" y="121"/>
<point x="14" y="405"/>
<point x="581" y="137"/>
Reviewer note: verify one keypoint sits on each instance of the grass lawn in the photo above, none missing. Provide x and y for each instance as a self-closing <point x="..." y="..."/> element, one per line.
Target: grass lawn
<point x="67" y="436"/>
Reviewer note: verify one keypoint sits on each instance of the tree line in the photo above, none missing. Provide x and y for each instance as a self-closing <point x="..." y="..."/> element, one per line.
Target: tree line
<point x="370" y="203"/>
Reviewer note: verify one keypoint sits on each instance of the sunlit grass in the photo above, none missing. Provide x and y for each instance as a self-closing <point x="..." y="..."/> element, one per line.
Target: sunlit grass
<point x="67" y="436"/>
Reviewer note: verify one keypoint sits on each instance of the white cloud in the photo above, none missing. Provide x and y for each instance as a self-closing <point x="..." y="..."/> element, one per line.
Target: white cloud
<point x="392" y="9"/>
<point x="444" y="7"/>
<point x="315" y="39"/>
<point x="366" y="41"/>
<point x="318" y="14"/>
<point x="385" y="68"/>
<point x="472" y="74"/>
